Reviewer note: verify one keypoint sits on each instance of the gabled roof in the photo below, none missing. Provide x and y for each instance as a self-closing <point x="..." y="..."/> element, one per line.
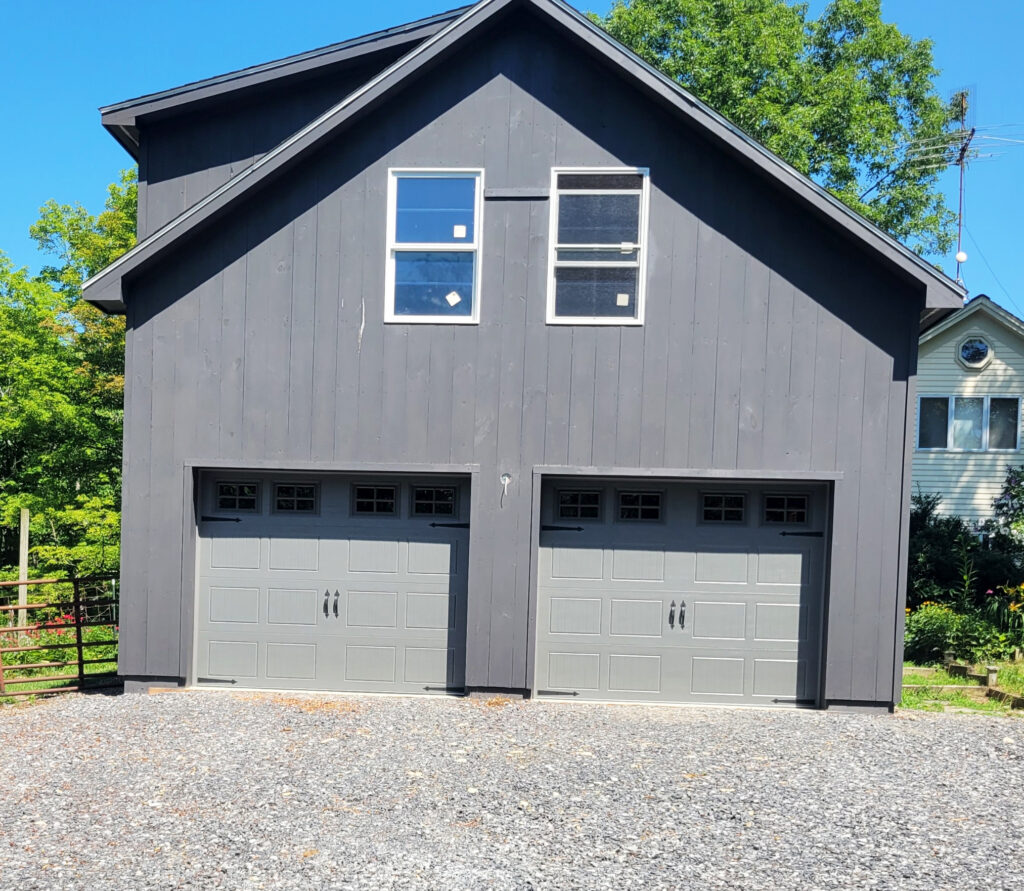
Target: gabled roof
<point x="982" y="305"/>
<point x="122" y="118"/>
<point x="942" y="294"/>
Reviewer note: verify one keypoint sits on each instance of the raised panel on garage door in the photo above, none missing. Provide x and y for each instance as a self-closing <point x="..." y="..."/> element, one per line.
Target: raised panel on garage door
<point x="722" y="605"/>
<point x="333" y="600"/>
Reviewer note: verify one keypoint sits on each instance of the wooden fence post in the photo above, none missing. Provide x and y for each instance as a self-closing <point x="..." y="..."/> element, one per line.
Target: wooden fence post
<point x="23" y="566"/>
<point x="77" y="596"/>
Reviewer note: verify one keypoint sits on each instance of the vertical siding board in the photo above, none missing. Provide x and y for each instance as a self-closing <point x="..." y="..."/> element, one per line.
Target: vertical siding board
<point x="398" y="397"/>
<point x="827" y="408"/>
<point x="777" y="438"/>
<point x="725" y="433"/>
<point x="800" y="407"/>
<point x="753" y="347"/>
<point x="876" y="502"/>
<point x="606" y="394"/>
<point x="630" y="402"/>
<point x="509" y="580"/>
<point x="233" y="337"/>
<point x="325" y="338"/>
<point x="352" y="322"/>
<point x="280" y="250"/>
<point x="370" y="337"/>
<point x="846" y="549"/>
<point x="303" y="328"/>
<point x="679" y="387"/>
<point x="463" y="421"/>
<point x="658" y="300"/>
<point x="439" y="407"/>
<point x="703" y="358"/>
<point x="583" y="397"/>
<point x="208" y="363"/>
<point x="259" y="337"/>
<point x="417" y="392"/>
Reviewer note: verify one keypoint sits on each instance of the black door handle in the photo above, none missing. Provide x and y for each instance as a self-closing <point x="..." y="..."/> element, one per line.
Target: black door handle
<point x="337" y="594"/>
<point x="672" y="615"/>
<point x="327" y="597"/>
<point x="682" y="614"/>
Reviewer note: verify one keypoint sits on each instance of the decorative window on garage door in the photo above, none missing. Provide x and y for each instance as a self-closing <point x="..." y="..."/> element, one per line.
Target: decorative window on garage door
<point x="433" y="501"/>
<point x="299" y="498"/>
<point x="379" y="500"/>
<point x="639" y="506"/>
<point x="785" y="509"/>
<point x="723" y="507"/>
<point x="238" y="496"/>
<point x="579" y="504"/>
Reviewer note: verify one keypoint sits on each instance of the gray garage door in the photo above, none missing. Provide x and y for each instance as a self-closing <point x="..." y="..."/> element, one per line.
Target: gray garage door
<point x="681" y="593"/>
<point x="332" y="583"/>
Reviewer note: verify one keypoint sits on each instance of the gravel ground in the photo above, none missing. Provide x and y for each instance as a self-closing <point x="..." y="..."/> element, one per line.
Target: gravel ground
<point x="230" y="790"/>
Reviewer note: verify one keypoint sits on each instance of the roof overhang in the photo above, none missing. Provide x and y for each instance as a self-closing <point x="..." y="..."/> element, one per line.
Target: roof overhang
<point x="982" y="305"/>
<point x="940" y="293"/>
<point x="122" y="118"/>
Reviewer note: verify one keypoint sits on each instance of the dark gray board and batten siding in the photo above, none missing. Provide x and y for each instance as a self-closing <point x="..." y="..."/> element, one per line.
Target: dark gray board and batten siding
<point x="771" y="346"/>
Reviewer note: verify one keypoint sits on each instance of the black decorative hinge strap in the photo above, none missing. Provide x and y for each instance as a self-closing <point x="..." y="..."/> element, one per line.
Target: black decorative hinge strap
<point x="561" y="528"/>
<point x="805" y="534"/>
<point x="206" y="519"/>
<point x="449" y="525"/>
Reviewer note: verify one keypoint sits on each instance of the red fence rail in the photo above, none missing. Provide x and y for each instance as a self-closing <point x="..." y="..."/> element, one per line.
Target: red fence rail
<point x="93" y="604"/>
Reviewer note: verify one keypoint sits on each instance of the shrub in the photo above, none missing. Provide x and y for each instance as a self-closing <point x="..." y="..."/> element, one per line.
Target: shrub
<point x="929" y="633"/>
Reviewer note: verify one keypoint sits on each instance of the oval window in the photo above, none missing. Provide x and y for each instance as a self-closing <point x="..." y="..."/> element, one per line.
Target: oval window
<point x="974" y="351"/>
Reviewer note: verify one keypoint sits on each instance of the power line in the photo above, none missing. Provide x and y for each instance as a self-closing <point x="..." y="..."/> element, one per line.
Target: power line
<point x="988" y="265"/>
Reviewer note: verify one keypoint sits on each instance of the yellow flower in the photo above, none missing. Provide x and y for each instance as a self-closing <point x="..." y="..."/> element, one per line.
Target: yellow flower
<point x="1014" y="607"/>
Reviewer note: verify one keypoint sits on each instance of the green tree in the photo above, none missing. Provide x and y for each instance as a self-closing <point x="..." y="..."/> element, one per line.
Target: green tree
<point x="62" y="391"/>
<point x="847" y="98"/>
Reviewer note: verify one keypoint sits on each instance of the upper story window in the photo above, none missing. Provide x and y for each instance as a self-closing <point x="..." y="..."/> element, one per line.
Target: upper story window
<point x="598" y="246"/>
<point x="968" y="423"/>
<point x="433" y="270"/>
<point x="974" y="352"/>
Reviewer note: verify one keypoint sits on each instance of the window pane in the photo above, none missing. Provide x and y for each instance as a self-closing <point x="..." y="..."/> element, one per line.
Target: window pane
<point x="435" y="209"/>
<point x="1002" y="424"/>
<point x="934" y="423"/>
<point x="597" y="256"/>
<point x="967" y="414"/>
<point x="597" y="292"/>
<point x="434" y="283"/>
<point x="598" y="219"/>
<point x="600" y="181"/>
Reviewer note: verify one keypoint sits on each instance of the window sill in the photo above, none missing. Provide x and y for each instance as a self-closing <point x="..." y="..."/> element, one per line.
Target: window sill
<point x="584" y="322"/>
<point x="429" y="320"/>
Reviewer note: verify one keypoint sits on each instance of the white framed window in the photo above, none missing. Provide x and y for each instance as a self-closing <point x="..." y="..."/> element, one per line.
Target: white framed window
<point x="433" y="244"/>
<point x="968" y="423"/>
<point x="598" y="245"/>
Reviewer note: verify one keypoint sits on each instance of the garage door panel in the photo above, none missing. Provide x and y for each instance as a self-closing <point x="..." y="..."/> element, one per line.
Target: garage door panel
<point x="681" y="610"/>
<point x="636" y="618"/>
<point x="332" y="602"/>
<point x="294" y="554"/>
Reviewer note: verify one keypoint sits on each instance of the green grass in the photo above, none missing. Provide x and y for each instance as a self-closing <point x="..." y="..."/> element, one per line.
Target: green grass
<point x="938" y="678"/>
<point x="933" y="699"/>
<point x="1011" y="677"/>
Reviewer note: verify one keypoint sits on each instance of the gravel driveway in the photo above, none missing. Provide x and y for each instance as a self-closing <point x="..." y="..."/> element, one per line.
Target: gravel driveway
<point x="230" y="790"/>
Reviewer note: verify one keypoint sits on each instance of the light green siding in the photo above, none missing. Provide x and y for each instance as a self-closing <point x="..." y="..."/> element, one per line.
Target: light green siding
<point x="968" y="481"/>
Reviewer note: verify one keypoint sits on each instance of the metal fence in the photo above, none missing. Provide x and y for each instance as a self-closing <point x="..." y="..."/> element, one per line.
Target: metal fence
<point x="61" y="639"/>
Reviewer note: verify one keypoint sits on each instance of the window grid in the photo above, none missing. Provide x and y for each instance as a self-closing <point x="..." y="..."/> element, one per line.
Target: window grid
<point x="986" y="438"/>
<point x="238" y="496"/>
<point x="640" y="506"/>
<point x="380" y="500"/>
<point x="785" y="509"/>
<point x="579" y="504"/>
<point x="618" y="256"/>
<point x="720" y="507"/>
<point x="436" y="501"/>
<point x="301" y="498"/>
<point x="395" y="247"/>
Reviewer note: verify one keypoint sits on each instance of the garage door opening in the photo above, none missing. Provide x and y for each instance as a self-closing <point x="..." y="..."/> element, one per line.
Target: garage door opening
<point x="332" y="583"/>
<point x="681" y="592"/>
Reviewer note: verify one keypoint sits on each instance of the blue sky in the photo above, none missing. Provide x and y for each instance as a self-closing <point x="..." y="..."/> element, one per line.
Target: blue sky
<point x="62" y="59"/>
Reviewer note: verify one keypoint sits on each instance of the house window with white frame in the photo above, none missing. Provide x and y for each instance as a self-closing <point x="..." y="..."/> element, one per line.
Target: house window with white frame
<point x="433" y="267"/>
<point x="598" y="246"/>
<point x="968" y="423"/>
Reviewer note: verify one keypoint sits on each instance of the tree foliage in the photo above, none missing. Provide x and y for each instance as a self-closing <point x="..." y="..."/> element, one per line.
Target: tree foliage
<point x="62" y="391"/>
<point x="847" y="98"/>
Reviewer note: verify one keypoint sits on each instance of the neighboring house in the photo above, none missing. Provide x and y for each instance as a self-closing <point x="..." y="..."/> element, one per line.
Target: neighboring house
<point x="970" y="382"/>
<point x="478" y="355"/>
